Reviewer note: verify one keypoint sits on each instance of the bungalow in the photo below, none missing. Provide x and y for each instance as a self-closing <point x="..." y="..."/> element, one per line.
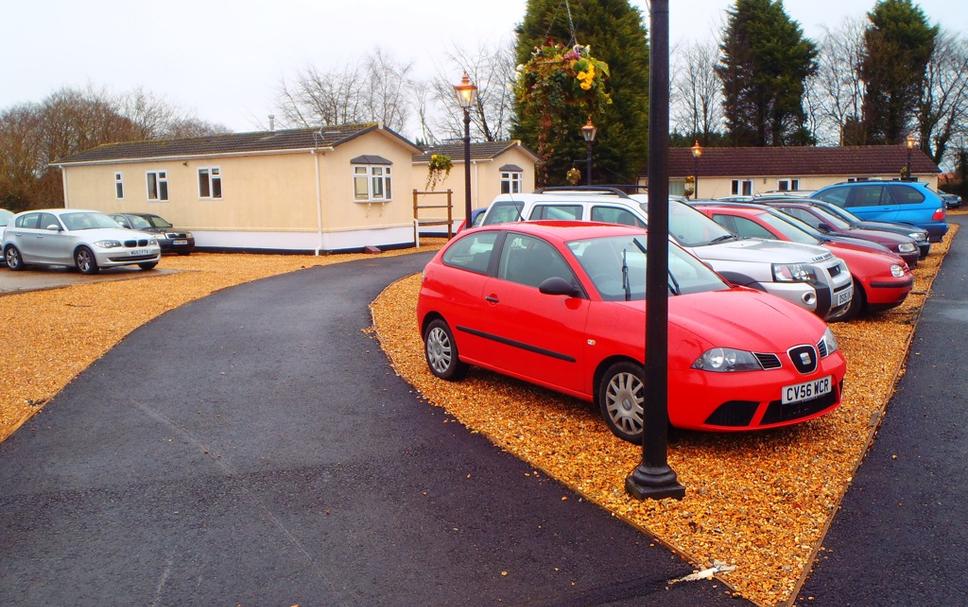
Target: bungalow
<point x="723" y="171"/>
<point x="332" y="188"/>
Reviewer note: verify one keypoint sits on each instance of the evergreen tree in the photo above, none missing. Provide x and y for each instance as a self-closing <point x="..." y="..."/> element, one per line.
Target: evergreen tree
<point x="766" y="60"/>
<point x="616" y="33"/>
<point x="897" y="46"/>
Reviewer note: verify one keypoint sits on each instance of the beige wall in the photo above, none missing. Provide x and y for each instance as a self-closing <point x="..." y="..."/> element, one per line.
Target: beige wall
<point x="716" y="187"/>
<point x="485" y="182"/>
<point x="267" y="193"/>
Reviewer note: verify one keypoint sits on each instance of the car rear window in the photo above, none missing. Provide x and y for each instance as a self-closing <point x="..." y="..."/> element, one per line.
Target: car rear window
<point x="471" y="252"/>
<point x="28" y="221"/>
<point x="560" y="212"/>
<point x="504" y="212"/>
<point x="616" y="215"/>
<point x="902" y="194"/>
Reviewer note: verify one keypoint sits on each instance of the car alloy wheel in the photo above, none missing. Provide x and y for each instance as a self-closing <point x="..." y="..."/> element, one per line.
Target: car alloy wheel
<point x="12" y="257"/>
<point x="85" y="262"/>
<point x="622" y="401"/>
<point x="441" y="351"/>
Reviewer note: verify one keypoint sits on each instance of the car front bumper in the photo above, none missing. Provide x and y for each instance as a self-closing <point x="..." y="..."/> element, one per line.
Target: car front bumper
<point x="752" y="400"/>
<point x="936" y="231"/>
<point x="176" y="245"/>
<point x="120" y="256"/>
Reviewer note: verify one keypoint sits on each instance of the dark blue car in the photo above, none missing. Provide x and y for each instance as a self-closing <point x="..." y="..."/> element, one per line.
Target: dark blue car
<point x="894" y="201"/>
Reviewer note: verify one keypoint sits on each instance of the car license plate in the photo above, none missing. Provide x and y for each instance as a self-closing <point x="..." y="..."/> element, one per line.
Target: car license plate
<point x="137" y="252"/>
<point x="180" y="242"/>
<point x="845" y="296"/>
<point x="806" y="390"/>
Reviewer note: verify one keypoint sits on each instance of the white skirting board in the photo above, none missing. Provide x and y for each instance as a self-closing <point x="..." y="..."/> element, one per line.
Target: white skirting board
<point x="302" y="241"/>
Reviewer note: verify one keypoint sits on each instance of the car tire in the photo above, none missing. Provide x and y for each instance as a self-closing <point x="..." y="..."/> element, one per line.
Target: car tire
<point x="84" y="261"/>
<point x="149" y="265"/>
<point x="621" y="398"/>
<point x="440" y="350"/>
<point x="14" y="259"/>
<point x="857" y="303"/>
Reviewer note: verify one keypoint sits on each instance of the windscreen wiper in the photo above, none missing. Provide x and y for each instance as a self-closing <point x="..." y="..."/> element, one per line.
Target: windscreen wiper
<point x="722" y="238"/>
<point x="674" y="286"/>
<point x="625" y="276"/>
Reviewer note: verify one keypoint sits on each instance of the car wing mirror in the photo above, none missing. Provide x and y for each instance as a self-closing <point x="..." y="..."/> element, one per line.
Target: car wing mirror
<point x="53" y="227"/>
<point x="557" y="285"/>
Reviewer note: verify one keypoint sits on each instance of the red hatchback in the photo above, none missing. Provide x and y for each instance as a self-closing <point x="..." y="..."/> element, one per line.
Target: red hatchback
<point x="881" y="280"/>
<point x="561" y="305"/>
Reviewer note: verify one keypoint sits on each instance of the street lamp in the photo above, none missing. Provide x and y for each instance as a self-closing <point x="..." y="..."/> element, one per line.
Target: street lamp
<point x="910" y="146"/>
<point x="653" y="478"/>
<point x="466" y="93"/>
<point x="696" y="153"/>
<point x="588" y="133"/>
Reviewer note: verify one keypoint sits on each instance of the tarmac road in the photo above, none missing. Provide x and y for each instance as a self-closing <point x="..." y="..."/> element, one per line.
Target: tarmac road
<point x="255" y="448"/>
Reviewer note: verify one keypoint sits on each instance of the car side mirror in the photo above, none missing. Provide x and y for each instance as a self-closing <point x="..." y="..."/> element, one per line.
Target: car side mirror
<point x="53" y="227"/>
<point x="556" y="285"/>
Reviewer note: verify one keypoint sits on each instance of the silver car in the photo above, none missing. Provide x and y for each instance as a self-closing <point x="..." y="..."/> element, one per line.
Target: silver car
<point x="5" y="216"/>
<point x="87" y="240"/>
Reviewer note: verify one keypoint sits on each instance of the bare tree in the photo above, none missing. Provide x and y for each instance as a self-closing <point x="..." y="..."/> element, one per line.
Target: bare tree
<point x="492" y="70"/>
<point x="697" y="91"/>
<point x="835" y="93"/>
<point x="375" y="90"/>
<point x="942" y="109"/>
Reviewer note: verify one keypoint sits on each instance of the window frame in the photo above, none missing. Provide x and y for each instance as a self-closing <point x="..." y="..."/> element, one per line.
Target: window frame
<point x="214" y="174"/>
<point x="736" y="185"/>
<point x="384" y="177"/>
<point x="158" y="181"/>
<point x="788" y="184"/>
<point x="513" y="179"/>
<point x="119" y="185"/>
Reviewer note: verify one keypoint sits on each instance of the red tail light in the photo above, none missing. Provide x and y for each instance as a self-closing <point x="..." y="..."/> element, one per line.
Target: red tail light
<point x="938" y="215"/>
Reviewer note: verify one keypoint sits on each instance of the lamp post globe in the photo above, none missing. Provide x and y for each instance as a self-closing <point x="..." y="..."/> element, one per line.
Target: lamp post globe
<point x="696" y="154"/>
<point x="911" y="142"/>
<point x="466" y="93"/>
<point x="588" y="132"/>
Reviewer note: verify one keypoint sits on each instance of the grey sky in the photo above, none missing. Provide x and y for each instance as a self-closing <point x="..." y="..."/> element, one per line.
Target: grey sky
<point x="224" y="59"/>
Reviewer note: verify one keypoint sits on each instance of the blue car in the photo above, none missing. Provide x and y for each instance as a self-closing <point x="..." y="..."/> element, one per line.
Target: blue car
<point x="895" y="201"/>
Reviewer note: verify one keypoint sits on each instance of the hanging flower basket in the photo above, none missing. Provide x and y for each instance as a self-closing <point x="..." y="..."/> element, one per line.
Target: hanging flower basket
<point x="573" y="176"/>
<point x="438" y="169"/>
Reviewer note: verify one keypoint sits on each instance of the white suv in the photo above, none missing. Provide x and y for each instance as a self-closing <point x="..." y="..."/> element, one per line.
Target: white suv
<point x="806" y="275"/>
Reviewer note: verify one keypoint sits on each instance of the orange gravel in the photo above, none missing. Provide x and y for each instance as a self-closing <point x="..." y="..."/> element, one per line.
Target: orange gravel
<point x="760" y="501"/>
<point x="48" y="337"/>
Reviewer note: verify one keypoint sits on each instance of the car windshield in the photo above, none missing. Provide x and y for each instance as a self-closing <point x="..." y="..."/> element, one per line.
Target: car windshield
<point x="790" y="230"/>
<point x="88" y="221"/>
<point x="158" y="222"/>
<point x="139" y="223"/>
<point x="5" y="216"/>
<point x="616" y="265"/>
<point x="691" y="228"/>
<point x="831" y="219"/>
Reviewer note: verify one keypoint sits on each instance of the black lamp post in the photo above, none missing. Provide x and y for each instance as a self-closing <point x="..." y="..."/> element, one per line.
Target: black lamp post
<point x="588" y="133"/>
<point x="910" y="146"/>
<point x="696" y="153"/>
<point x="466" y="92"/>
<point x="653" y="478"/>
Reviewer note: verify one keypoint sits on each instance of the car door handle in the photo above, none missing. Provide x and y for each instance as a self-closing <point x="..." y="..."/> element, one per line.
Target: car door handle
<point x="491" y="299"/>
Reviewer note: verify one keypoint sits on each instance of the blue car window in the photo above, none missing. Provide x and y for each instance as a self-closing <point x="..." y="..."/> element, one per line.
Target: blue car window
<point x="837" y="196"/>
<point x="865" y="196"/>
<point x="902" y="194"/>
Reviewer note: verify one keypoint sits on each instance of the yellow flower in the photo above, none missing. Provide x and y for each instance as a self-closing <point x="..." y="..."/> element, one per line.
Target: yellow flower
<point x="585" y="85"/>
<point x="582" y="75"/>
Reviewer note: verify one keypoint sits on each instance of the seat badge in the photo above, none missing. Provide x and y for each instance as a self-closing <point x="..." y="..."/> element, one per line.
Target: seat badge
<point x="805" y="358"/>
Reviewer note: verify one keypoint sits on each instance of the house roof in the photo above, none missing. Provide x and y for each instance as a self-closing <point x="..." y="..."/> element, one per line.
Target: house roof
<point x="797" y="161"/>
<point x="232" y="143"/>
<point x="485" y="150"/>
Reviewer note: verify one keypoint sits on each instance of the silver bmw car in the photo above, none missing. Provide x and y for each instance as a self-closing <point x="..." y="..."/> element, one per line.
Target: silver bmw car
<point x="87" y="240"/>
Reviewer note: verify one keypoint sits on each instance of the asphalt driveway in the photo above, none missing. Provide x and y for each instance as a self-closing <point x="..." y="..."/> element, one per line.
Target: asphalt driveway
<point x="255" y="448"/>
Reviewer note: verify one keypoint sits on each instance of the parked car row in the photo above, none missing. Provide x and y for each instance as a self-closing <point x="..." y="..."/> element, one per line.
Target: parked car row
<point x="87" y="240"/>
<point x="548" y="287"/>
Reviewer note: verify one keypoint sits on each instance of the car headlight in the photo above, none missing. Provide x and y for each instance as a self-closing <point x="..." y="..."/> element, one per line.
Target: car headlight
<point x="918" y="236"/>
<point x="794" y="272"/>
<point x="906" y="247"/>
<point x="188" y="235"/>
<point x="107" y="244"/>
<point x="152" y="242"/>
<point x="725" y="360"/>
<point x="831" y="341"/>
<point x="897" y="271"/>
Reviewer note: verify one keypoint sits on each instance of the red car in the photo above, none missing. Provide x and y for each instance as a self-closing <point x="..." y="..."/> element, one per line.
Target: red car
<point x="881" y="280"/>
<point x="561" y="305"/>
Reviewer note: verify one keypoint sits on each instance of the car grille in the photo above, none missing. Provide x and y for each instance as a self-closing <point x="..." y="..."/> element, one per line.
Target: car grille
<point x="134" y="257"/>
<point x="733" y="413"/>
<point x="136" y="243"/>
<point x="175" y="235"/>
<point x="768" y="361"/>
<point x="777" y="412"/>
<point x="804" y="358"/>
<point x="834" y="270"/>
<point x="822" y="348"/>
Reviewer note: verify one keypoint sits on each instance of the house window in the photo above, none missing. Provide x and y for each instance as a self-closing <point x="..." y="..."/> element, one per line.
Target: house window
<point x="510" y="182"/>
<point x="788" y="185"/>
<point x="157" y="185"/>
<point x="210" y="182"/>
<point x="742" y="187"/>
<point x="119" y="185"/>
<point x="371" y="183"/>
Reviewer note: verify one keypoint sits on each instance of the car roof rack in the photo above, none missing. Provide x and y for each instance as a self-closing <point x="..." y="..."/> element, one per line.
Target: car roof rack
<point x="602" y="189"/>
